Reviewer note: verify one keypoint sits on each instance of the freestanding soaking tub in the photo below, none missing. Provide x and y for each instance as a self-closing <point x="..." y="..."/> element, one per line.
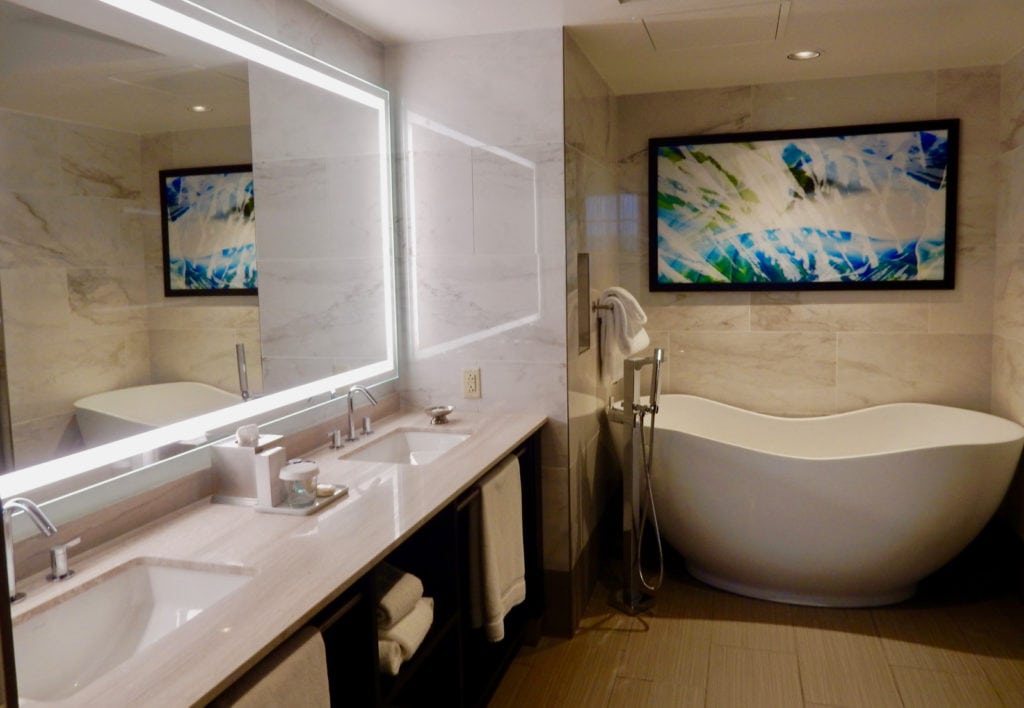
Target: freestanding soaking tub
<point x="847" y="510"/>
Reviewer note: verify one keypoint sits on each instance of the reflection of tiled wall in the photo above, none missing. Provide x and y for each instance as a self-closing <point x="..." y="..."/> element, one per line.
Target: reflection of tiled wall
<point x="317" y="178"/>
<point x="81" y="279"/>
<point x="592" y="216"/>
<point x="485" y="119"/>
<point x="806" y="353"/>
<point x="1008" y="346"/>
<point x="71" y="273"/>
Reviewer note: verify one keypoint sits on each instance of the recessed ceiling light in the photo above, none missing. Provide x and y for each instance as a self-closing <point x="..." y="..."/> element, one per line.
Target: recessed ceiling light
<point x="804" y="55"/>
<point x="200" y="109"/>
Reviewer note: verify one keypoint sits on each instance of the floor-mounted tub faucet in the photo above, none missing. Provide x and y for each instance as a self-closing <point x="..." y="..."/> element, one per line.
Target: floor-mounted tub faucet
<point x="351" y="416"/>
<point x="41" y="521"/>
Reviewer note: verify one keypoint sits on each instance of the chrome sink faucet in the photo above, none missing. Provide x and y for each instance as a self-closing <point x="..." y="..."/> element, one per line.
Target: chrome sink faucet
<point x="42" y="522"/>
<point x="351" y="417"/>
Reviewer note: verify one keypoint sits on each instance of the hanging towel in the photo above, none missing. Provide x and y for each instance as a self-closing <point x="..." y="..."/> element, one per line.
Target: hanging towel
<point x="398" y="592"/>
<point x="498" y="566"/>
<point x="409" y="631"/>
<point x="294" y="674"/>
<point x="622" y="332"/>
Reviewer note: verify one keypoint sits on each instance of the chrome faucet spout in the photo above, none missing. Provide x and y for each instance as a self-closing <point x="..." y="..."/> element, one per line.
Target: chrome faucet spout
<point x="352" y="435"/>
<point x="42" y="522"/>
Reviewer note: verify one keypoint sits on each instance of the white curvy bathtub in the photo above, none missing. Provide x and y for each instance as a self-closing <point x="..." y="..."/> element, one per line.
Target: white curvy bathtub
<point x="113" y="415"/>
<point x="847" y="510"/>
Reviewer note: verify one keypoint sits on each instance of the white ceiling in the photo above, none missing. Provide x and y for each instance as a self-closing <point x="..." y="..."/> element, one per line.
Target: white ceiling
<point x="642" y="46"/>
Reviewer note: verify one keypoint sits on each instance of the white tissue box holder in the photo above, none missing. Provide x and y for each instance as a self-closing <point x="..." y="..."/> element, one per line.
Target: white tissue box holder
<point x="236" y="469"/>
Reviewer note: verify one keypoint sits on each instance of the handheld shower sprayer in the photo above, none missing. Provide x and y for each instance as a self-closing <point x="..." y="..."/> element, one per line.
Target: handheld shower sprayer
<point x="659" y="356"/>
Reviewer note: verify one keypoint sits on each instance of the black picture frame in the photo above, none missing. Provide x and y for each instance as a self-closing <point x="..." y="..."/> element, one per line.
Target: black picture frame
<point x="846" y="207"/>
<point x="208" y="224"/>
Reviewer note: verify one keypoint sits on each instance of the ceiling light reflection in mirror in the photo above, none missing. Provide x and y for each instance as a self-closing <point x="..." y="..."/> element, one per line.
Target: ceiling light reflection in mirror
<point x="268" y="53"/>
<point x="472" y="244"/>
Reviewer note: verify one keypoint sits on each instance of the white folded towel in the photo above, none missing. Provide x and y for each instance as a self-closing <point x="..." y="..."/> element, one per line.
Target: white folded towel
<point x="398" y="591"/>
<point x="497" y="565"/>
<point x="409" y="631"/>
<point x="622" y="332"/>
<point x="389" y="656"/>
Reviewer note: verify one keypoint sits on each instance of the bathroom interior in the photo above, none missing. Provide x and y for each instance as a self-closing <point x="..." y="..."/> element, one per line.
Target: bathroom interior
<point x="442" y="197"/>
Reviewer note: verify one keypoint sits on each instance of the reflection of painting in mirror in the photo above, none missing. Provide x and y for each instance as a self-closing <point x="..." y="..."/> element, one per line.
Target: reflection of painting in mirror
<point x="480" y="250"/>
<point x="86" y="130"/>
<point x="208" y="219"/>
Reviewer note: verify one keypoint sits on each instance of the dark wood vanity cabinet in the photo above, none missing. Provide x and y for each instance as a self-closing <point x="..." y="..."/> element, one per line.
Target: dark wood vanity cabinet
<point x="455" y="665"/>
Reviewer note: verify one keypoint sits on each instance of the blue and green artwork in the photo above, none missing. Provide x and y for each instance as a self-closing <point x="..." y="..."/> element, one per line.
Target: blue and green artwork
<point x="209" y="231"/>
<point x="873" y="206"/>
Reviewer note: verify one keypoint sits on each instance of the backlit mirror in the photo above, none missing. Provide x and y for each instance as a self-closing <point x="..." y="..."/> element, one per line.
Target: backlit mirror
<point x="94" y="102"/>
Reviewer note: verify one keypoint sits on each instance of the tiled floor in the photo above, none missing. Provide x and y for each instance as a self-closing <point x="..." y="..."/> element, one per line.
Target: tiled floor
<point x="703" y="647"/>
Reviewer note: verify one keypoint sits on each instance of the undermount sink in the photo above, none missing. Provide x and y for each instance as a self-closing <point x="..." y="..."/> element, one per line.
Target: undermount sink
<point x="408" y="447"/>
<point x="64" y="646"/>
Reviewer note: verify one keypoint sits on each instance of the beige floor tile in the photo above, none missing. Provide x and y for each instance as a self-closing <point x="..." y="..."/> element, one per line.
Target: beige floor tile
<point x="994" y="629"/>
<point x="938" y="689"/>
<point x="925" y="638"/>
<point x="842" y="662"/>
<point x="676" y="641"/>
<point x="577" y="672"/>
<point x="638" y="693"/>
<point x="751" y="677"/>
<point x="753" y="624"/>
<point x="505" y="695"/>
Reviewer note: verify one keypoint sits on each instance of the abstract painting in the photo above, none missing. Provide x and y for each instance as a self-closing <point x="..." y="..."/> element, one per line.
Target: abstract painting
<point x="209" y="230"/>
<point x="827" y="208"/>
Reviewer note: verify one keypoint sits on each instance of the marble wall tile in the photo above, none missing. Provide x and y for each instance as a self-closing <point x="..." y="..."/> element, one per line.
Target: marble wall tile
<point x="839" y="311"/>
<point x="41" y="439"/>
<point x="207" y="356"/>
<point x="952" y="369"/>
<point x="967" y="309"/>
<point x="977" y="200"/>
<point x="972" y="94"/>
<point x="555" y="516"/>
<point x="1009" y="204"/>
<point x="1012" y="103"/>
<point x="439" y="191"/>
<point x="107" y="300"/>
<point x="784" y="373"/>
<point x="505" y="212"/>
<point x="502" y="89"/>
<point x="1008" y="377"/>
<point x="100" y="163"/>
<point x="844" y="101"/>
<point x="331" y="125"/>
<point x="322" y="308"/>
<point x="590" y="123"/>
<point x="1009" y="293"/>
<point x="30" y="160"/>
<point x="312" y="30"/>
<point x="46" y="384"/>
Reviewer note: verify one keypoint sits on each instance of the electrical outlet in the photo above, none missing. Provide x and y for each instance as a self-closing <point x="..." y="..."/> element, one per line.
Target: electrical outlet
<point x="471" y="383"/>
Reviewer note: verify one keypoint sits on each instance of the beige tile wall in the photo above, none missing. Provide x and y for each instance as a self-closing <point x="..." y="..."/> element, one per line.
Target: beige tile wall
<point x="1008" y="318"/>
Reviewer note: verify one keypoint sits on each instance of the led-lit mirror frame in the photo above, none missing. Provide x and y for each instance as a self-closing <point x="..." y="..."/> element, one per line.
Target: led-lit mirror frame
<point x="191" y="19"/>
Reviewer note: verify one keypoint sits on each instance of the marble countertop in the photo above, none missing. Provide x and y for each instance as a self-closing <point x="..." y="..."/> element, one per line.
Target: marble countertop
<point x="299" y="563"/>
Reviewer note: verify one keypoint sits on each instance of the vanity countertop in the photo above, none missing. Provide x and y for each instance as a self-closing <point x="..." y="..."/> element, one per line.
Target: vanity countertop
<point x="300" y="563"/>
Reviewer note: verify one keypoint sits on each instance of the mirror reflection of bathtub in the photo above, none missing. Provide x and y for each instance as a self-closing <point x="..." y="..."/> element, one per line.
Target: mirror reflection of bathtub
<point x="112" y="415"/>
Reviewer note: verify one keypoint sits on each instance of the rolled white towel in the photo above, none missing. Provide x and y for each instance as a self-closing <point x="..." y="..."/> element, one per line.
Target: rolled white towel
<point x="389" y="656"/>
<point x="398" y="592"/>
<point x="409" y="631"/>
